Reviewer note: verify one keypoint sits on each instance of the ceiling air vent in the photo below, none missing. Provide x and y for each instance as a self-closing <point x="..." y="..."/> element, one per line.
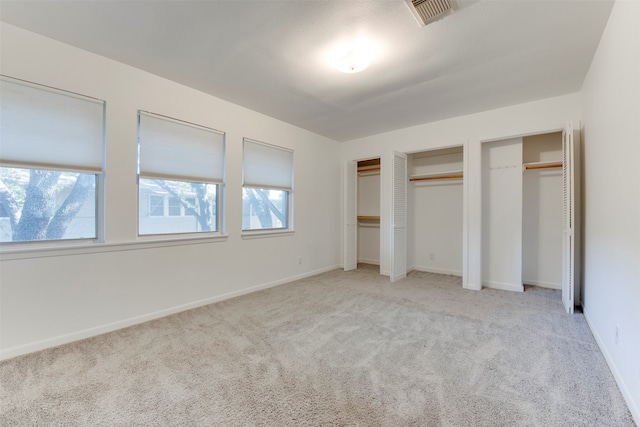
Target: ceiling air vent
<point x="427" y="11"/>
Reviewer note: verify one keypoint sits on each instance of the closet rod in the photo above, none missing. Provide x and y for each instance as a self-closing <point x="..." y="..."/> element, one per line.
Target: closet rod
<point x="544" y="166"/>
<point x="426" y="178"/>
<point x="369" y="169"/>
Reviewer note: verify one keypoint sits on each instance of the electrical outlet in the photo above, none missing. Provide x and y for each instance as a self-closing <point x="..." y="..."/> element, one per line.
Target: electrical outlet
<point x="299" y="260"/>
<point x="432" y="257"/>
<point x="617" y="336"/>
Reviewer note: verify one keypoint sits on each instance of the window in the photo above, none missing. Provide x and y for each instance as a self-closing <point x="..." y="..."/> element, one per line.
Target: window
<point x="180" y="176"/>
<point x="175" y="207"/>
<point x="51" y="163"/>
<point x="267" y="186"/>
<point x="156" y="205"/>
<point x="172" y="206"/>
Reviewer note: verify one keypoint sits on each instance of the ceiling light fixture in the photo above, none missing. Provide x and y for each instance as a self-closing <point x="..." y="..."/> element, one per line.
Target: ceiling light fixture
<point x="353" y="61"/>
<point x="352" y="58"/>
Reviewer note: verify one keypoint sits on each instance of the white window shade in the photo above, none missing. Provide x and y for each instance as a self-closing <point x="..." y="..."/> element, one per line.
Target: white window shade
<point x="49" y="129"/>
<point x="267" y="166"/>
<point x="175" y="150"/>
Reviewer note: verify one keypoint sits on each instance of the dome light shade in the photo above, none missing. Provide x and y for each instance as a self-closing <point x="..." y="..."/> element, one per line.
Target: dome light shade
<point x="353" y="57"/>
<point x="353" y="61"/>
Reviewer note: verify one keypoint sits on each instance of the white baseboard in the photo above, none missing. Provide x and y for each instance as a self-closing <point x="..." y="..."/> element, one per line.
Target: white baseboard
<point x="437" y="270"/>
<point x="110" y="327"/>
<point x="548" y="285"/>
<point x="634" y="407"/>
<point x="503" y="286"/>
<point x="369" y="261"/>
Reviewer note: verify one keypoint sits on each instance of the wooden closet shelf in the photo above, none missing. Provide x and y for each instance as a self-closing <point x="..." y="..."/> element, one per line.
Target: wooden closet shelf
<point x="542" y="165"/>
<point x="369" y="169"/>
<point x="432" y="177"/>
<point x="368" y="217"/>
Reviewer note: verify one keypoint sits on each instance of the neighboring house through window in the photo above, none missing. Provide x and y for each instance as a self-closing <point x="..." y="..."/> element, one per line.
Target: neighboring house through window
<point x="166" y="205"/>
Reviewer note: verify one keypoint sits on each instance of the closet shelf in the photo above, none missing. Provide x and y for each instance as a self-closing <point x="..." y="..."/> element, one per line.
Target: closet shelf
<point x="368" y="217"/>
<point x="371" y="169"/>
<point x="440" y="175"/>
<point x="541" y="165"/>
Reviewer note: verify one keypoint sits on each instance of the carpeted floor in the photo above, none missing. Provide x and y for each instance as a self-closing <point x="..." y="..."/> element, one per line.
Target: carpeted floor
<point x="340" y="348"/>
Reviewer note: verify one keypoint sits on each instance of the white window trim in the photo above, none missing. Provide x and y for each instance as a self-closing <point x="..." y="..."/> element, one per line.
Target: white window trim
<point x="77" y="247"/>
<point x="261" y="234"/>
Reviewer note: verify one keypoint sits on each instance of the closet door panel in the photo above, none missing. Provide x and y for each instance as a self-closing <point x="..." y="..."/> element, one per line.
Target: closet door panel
<point x="570" y="245"/>
<point x="399" y="218"/>
<point x="350" y="261"/>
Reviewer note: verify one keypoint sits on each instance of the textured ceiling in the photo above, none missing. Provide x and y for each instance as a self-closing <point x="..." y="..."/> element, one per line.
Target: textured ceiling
<point x="269" y="56"/>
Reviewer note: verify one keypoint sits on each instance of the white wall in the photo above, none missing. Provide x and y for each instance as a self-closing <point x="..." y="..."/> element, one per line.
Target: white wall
<point x="435" y="226"/>
<point x="542" y="116"/>
<point x="542" y="228"/>
<point x="52" y="297"/>
<point x="611" y="109"/>
<point x="502" y="214"/>
<point x="369" y="194"/>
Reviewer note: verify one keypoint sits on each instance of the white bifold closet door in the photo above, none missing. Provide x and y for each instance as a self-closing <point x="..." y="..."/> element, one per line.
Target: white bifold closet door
<point x="570" y="238"/>
<point x="399" y="217"/>
<point x="350" y="261"/>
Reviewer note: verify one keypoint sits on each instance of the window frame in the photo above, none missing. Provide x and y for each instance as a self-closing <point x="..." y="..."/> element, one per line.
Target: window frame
<point x="220" y="205"/>
<point x="267" y="232"/>
<point x="99" y="174"/>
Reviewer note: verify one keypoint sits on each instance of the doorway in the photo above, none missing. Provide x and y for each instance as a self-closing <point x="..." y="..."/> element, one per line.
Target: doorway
<point x="362" y="213"/>
<point x="368" y="212"/>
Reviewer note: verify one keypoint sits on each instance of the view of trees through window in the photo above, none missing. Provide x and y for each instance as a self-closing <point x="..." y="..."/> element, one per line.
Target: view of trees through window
<point x="264" y="209"/>
<point x="38" y="204"/>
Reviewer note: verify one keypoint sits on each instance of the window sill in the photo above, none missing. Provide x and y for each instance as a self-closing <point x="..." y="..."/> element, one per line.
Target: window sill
<point x="66" y="249"/>
<point x="259" y="234"/>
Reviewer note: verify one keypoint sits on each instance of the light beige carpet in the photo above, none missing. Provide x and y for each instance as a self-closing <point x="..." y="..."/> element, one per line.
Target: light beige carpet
<point x="340" y="349"/>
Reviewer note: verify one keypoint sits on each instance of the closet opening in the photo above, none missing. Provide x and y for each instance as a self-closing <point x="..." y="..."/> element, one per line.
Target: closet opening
<point x="368" y="213"/>
<point x="542" y="210"/>
<point x="435" y="211"/>
<point x="530" y="213"/>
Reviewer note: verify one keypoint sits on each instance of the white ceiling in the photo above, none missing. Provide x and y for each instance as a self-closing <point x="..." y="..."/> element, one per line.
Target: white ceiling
<point x="269" y="56"/>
